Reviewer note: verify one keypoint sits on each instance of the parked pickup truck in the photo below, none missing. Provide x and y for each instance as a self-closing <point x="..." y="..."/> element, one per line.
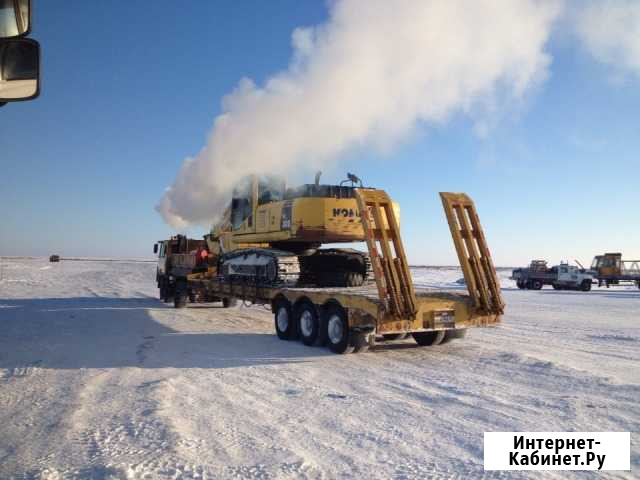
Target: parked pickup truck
<point x="560" y="277"/>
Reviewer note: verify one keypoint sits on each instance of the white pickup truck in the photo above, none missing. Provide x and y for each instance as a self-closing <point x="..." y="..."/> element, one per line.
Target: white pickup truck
<point x="560" y="277"/>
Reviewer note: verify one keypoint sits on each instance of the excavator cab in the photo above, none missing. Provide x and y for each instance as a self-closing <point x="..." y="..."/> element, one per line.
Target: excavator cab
<point x="242" y="204"/>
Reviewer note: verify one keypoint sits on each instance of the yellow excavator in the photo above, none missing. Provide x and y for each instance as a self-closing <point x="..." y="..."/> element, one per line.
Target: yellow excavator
<point x="271" y="234"/>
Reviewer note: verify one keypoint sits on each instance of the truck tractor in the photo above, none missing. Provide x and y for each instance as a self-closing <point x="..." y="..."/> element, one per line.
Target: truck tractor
<point x="179" y="257"/>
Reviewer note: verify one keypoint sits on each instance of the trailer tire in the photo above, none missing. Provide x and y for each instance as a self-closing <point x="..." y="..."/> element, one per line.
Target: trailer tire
<point x="228" y="302"/>
<point x="585" y="286"/>
<point x="338" y="330"/>
<point x="308" y="321"/>
<point x="285" y="326"/>
<point x="426" y="339"/>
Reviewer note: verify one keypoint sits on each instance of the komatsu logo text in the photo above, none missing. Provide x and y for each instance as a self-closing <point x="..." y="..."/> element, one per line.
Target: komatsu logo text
<point x="345" y="212"/>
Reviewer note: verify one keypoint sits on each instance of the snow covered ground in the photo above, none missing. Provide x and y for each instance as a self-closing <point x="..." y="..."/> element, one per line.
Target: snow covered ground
<point x="100" y="380"/>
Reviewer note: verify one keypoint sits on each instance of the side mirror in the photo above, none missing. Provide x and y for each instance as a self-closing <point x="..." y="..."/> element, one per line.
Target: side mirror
<point x="155" y="248"/>
<point x="15" y="18"/>
<point x="19" y="69"/>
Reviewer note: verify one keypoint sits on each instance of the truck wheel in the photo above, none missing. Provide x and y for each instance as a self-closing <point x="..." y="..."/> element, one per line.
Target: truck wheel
<point x="520" y="284"/>
<point x="536" y="284"/>
<point x="338" y="330"/>
<point x="425" y="339"/>
<point x="586" y="285"/>
<point x="638" y="283"/>
<point x="454" y="334"/>
<point x="164" y="290"/>
<point x="308" y="321"/>
<point x="285" y="327"/>
<point x="229" y="302"/>
<point x="556" y="286"/>
<point x="180" y="296"/>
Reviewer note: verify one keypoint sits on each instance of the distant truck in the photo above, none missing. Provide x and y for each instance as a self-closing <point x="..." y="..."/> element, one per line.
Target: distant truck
<point x="611" y="269"/>
<point x="560" y="277"/>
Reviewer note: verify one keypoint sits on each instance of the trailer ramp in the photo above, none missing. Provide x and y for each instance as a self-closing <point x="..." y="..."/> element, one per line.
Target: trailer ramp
<point x="473" y="253"/>
<point x="388" y="259"/>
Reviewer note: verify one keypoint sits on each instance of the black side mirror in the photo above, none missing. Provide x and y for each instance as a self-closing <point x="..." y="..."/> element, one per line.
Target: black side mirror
<point x="15" y="18"/>
<point x="155" y="248"/>
<point x="19" y="69"/>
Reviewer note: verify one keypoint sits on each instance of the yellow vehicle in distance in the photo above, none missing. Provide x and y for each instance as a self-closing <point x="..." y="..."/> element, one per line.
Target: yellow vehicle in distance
<point x="611" y="269"/>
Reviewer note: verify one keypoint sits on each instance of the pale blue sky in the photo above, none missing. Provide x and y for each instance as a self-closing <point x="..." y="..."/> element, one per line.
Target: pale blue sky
<point x="127" y="95"/>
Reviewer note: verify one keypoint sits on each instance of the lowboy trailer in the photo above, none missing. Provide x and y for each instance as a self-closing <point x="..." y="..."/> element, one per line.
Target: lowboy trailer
<point x="348" y="319"/>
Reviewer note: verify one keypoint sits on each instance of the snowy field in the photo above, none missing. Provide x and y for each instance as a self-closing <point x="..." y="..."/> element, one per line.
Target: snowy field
<point x="100" y="380"/>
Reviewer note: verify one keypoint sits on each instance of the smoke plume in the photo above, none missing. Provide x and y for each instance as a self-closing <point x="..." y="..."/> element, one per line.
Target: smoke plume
<point x="610" y="31"/>
<point x="365" y="78"/>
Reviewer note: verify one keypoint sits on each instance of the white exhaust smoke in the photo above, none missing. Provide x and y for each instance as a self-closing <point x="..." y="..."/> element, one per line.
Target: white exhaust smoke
<point x="365" y="78"/>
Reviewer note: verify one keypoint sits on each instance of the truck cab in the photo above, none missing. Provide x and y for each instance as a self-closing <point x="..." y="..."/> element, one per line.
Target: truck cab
<point x="570" y="277"/>
<point x="160" y="248"/>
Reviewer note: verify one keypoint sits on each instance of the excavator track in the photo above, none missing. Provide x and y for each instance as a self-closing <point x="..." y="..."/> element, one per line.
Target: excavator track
<point x="260" y="266"/>
<point x="335" y="267"/>
<point x="332" y="267"/>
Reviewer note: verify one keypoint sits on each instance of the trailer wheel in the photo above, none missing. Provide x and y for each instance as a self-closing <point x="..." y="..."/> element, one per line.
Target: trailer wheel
<point x="338" y="330"/>
<point x="308" y="322"/>
<point x="228" y="302"/>
<point x="454" y="334"/>
<point x="586" y="285"/>
<point x="426" y="339"/>
<point x="285" y="327"/>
